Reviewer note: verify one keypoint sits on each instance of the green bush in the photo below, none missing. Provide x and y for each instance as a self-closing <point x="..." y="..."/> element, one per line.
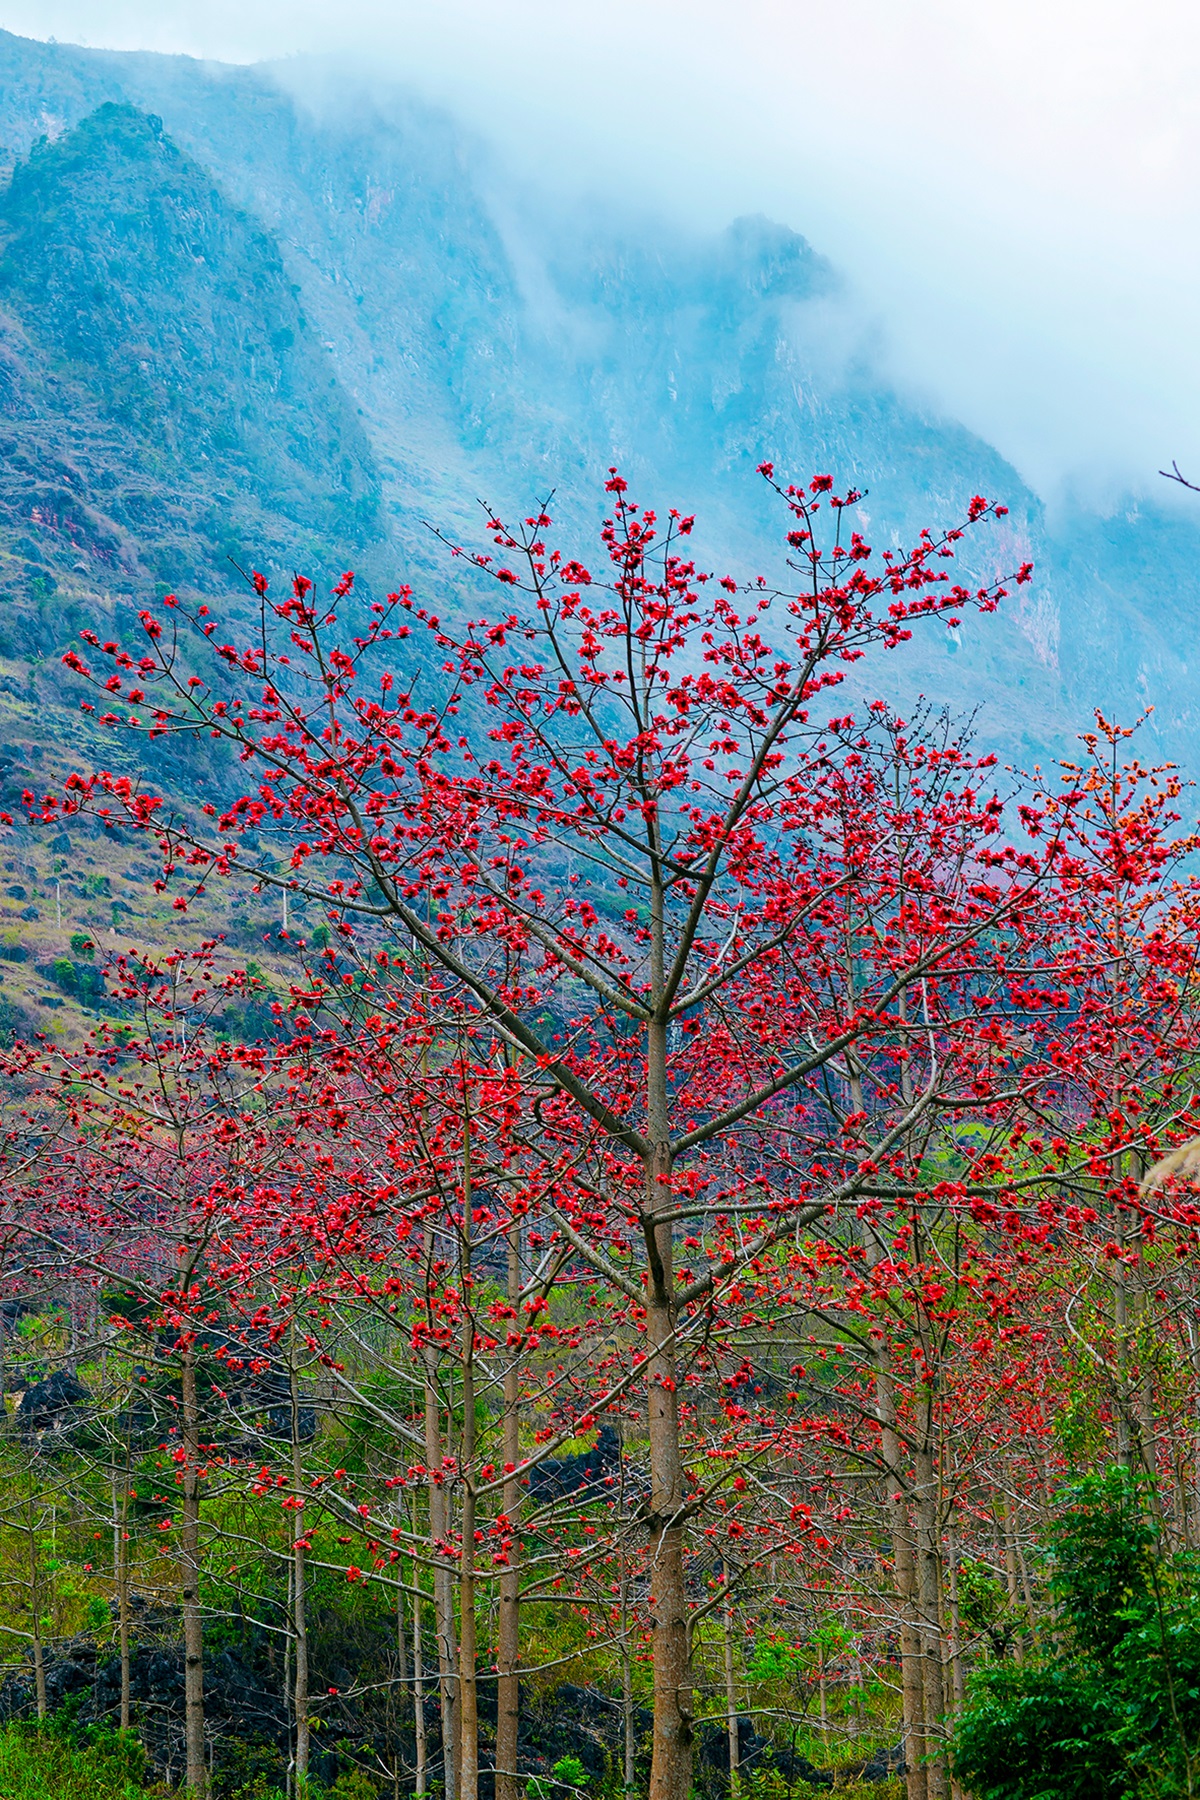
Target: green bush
<point x="42" y="1764"/>
<point x="258" y="1789"/>
<point x="356" y="1784"/>
<point x="1116" y="1715"/>
<point x="568" y="1772"/>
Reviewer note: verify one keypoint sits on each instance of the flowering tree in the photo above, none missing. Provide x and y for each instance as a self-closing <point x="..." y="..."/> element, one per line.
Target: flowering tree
<point x="139" y="1149"/>
<point x="734" y="966"/>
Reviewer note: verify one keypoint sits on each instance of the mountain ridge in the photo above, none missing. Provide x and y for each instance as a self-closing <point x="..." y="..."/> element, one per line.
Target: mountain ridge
<point x="498" y="345"/>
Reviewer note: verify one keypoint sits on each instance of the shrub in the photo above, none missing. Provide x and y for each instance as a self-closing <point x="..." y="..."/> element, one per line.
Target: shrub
<point x="41" y="1764"/>
<point x="568" y="1772"/>
<point x="1117" y="1714"/>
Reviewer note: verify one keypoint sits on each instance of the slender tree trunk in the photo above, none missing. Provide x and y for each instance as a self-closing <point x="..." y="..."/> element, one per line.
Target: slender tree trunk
<point x="39" y="1671"/>
<point x="508" y="1690"/>
<point x="467" y="1647"/>
<point x="1011" y="1576"/>
<point x="401" y="1637"/>
<point x="928" y="1574"/>
<point x="731" y="1711"/>
<point x="1123" y="1397"/>
<point x="35" y="1613"/>
<point x="670" y="1773"/>
<point x="671" y="1763"/>
<point x="443" y="1584"/>
<point x="443" y="1578"/>
<point x="193" y="1636"/>
<point x="911" y="1671"/>
<point x="1023" y="1571"/>
<point x="121" y="1577"/>
<point x="912" y="1680"/>
<point x="467" y="1654"/>
<point x="299" y="1607"/>
<point x="419" y="1684"/>
<point x="956" y="1658"/>
<point x="630" y="1735"/>
<point x="1194" y="1347"/>
<point x="289" y="1680"/>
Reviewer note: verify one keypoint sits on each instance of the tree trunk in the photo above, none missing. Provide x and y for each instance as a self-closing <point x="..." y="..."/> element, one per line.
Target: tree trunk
<point x="1123" y="1397"/>
<point x="121" y="1575"/>
<point x="401" y="1637"/>
<point x="419" y="1685"/>
<point x="630" y="1735"/>
<point x="1194" y="1348"/>
<point x="928" y="1581"/>
<point x="443" y="1584"/>
<point x="508" y="1693"/>
<point x="731" y="1712"/>
<point x="299" y="1612"/>
<point x="956" y="1658"/>
<point x="288" y="1680"/>
<point x="35" y="1612"/>
<point x="1012" y="1576"/>
<point x="193" y="1637"/>
<point x="467" y="1653"/>
<point x="904" y="1561"/>
<point x="39" y="1671"/>
<point x="467" y="1649"/>
<point x="670" y="1772"/>
<point x="912" y="1679"/>
<point x="911" y="1662"/>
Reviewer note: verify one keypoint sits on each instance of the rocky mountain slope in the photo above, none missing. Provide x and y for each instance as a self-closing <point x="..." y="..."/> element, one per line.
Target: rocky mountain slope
<point x="489" y="344"/>
<point x="161" y="392"/>
<point x="254" y="314"/>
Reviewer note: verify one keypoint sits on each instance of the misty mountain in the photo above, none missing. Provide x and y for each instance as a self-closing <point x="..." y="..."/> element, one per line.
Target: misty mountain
<point x="264" y="315"/>
<point x="145" y="418"/>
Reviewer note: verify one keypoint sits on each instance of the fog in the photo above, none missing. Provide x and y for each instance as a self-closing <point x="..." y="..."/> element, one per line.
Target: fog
<point x="1009" y="188"/>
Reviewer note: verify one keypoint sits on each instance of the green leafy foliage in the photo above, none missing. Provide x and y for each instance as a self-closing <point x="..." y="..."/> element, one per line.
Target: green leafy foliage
<point x="774" y="1659"/>
<point x="1104" y="1559"/>
<point x="567" y="1772"/>
<point x="1116" y="1715"/>
<point x="42" y="1764"/>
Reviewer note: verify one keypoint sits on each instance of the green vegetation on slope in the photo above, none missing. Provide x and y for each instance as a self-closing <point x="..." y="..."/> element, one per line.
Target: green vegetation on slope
<point x="164" y="404"/>
<point x="44" y="1765"/>
<point x="1116" y="1712"/>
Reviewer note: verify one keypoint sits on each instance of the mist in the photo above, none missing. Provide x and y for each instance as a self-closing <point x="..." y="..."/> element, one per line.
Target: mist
<point x="1008" y="191"/>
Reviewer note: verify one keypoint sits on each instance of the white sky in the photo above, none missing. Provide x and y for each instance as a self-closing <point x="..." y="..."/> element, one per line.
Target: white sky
<point x="1011" y="186"/>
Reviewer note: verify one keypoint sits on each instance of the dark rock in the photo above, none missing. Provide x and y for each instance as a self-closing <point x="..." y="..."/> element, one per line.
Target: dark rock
<point x="50" y="1405"/>
<point x="884" y="1764"/>
<point x="713" y="1744"/>
<point x="591" y="1474"/>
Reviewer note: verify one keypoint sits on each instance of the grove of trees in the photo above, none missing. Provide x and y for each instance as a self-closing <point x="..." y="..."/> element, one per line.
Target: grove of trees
<point x="719" y="1174"/>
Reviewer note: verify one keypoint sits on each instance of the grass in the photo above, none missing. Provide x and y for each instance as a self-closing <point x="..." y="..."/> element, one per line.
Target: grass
<point x="38" y="1765"/>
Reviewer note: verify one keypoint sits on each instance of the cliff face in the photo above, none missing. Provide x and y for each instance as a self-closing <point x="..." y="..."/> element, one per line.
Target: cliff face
<point x="293" y="328"/>
<point x="163" y="402"/>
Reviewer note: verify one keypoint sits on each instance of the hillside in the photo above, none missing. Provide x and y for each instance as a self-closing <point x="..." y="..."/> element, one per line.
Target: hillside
<point x="155" y="427"/>
<point x="151" y="432"/>
<point x="492" y="344"/>
<point x="250" y="313"/>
